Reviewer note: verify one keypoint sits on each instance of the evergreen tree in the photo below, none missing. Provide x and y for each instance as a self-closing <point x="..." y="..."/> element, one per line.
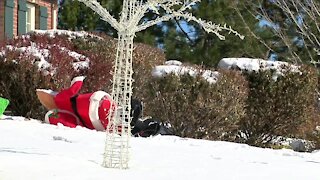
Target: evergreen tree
<point x="207" y="49"/>
<point x="179" y="39"/>
<point x="74" y="15"/>
<point x="293" y="25"/>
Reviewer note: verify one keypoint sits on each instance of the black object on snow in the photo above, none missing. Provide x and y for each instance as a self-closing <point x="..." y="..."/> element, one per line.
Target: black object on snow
<point x="150" y="127"/>
<point x="147" y="127"/>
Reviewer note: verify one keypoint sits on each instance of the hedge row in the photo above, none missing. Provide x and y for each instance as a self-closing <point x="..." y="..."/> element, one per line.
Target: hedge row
<point x="21" y="57"/>
<point x="279" y="107"/>
<point x="196" y="108"/>
<point x="253" y="108"/>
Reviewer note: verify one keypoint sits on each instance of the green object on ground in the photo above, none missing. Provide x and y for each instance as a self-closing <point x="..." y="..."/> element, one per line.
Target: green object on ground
<point x="3" y="105"/>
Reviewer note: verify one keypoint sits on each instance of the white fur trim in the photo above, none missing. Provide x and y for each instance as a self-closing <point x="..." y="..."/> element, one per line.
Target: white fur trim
<point x="94" y="109"/>
<point x="46" y="117"/>
<point x="48" y="91"/>
<point x="78" y="78"/>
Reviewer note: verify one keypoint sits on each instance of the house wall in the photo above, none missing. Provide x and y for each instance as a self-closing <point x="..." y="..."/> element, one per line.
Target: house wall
<point x="1" y="20"/>
<point x="50" y="4"/>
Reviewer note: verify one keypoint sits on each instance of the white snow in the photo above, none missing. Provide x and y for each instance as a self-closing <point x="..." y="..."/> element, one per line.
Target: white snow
<point x="71" y="34"/>
<point x="250" y="64"/>
<point x="173" y="62"/>
<point x="42" y="54"/>
<point x="36" y="151"/>
<point x="177" y="68"/>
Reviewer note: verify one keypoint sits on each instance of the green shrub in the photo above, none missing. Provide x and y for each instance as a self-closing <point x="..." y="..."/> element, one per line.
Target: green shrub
<point x="145" y="58"/>
<point x="278" y="107"/>
<point x="196" y="108"/>
<point x="314" y="136"/>
<point x="310" y="130"/>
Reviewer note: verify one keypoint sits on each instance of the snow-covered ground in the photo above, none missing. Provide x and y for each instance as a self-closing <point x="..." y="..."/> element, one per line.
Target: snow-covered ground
<point x="30" y="150"/>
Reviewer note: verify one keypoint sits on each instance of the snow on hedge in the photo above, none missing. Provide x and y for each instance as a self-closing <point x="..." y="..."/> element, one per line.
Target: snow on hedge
<point x="254" y="65"/>
<point x="250" y="64"/>
<point x="70" y="34"/>
<point x="42" y="54"/>
<point x="177" y="68"/>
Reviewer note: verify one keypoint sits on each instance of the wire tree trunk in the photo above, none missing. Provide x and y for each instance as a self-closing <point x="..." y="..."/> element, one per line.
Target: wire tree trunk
<point x="117" y="143"/>
<point x="131" y="21"/>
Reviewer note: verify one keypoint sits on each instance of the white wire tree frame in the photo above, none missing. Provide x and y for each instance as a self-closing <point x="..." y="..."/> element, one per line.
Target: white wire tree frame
<point x="131" y="21"/>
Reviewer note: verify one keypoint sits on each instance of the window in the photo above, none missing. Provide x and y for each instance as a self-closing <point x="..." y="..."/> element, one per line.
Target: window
<point x="30" y="17"/>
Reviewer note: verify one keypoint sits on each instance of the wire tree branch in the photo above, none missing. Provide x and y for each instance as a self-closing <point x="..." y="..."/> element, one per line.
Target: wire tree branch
<point x="104" y="14"/>
<point x="174" y="9"/>
<point x="208" y="26"/>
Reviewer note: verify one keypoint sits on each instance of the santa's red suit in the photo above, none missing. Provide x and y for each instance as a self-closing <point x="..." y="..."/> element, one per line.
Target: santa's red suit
<point x="89" y="110"/>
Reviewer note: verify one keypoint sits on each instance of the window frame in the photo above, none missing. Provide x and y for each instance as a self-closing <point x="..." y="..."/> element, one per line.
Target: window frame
<point x="30" y="17"/>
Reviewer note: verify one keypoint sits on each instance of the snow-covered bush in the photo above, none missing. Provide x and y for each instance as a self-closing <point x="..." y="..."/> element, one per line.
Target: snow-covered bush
<point x="51" y="61"/>
<point x="196" y="108"/>
<point x="52" y="58"/>
<point x="278" y="107"/>
<point x="18" y="82"/>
